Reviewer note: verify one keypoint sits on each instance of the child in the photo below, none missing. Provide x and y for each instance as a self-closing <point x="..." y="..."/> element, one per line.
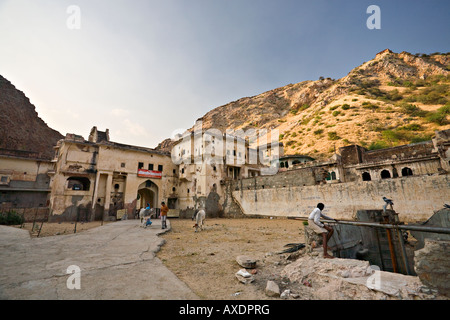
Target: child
<point x="148" y="222"/>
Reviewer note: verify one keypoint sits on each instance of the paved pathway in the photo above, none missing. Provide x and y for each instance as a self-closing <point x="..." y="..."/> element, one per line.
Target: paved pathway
<point x="117" y="261"/>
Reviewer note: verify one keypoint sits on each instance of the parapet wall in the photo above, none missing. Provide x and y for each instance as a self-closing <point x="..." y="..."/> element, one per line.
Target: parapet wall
<point x="415" y="198"/>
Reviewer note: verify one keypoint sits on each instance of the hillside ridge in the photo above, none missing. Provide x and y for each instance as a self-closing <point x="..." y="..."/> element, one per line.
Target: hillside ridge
<point x="393" y="99"/>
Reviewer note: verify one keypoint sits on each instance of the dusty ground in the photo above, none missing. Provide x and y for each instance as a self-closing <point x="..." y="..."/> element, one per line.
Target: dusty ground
<point x="206" y="261"/>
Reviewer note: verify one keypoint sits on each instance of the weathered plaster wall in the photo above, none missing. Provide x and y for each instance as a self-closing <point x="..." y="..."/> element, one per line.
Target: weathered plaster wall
<point x="415" y="198"/>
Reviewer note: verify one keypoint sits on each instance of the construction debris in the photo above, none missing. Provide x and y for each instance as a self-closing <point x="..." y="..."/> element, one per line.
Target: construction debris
<point x="343" y="279"/>
<point x="244" y="276"/>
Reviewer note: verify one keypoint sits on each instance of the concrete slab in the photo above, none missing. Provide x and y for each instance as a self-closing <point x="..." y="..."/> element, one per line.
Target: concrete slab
<point x="116" y="261"/>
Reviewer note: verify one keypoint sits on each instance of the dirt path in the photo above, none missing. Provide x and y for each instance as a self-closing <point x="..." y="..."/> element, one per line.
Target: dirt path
<point x="206" y="261"/>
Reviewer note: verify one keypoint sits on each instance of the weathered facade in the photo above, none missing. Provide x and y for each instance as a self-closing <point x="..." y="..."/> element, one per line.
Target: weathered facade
<point x="415" y="176"/>
<point x="94" y="179"/>
<point x="99" y="179"/>
<point x="24" y="183"/>
<point x="208" y="159"/>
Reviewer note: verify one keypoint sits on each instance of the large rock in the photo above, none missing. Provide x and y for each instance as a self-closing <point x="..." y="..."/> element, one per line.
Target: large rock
<point x="432" y="265"/>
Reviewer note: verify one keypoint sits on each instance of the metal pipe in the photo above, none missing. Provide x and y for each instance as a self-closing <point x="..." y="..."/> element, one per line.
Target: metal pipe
<point x="391" y="251"/>
<point x="403" y="250"/>
<point x="442" y="230"/>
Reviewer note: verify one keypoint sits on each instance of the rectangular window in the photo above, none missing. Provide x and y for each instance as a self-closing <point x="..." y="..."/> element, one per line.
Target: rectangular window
<point x="160" y="167"/>
<point x="140" y="165"/>
<point x="150" y="166"/>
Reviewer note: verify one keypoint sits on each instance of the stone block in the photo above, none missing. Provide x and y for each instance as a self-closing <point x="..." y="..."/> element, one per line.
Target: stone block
<point x="246" y="262"/>
<point x="272" y="289"/>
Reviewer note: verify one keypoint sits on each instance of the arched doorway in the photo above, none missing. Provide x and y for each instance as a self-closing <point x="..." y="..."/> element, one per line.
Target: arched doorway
<point x="406" y="172"/>
<point x="147" y="193"/>
<point x="385" y="174"/>
<point x="366" y="176"/>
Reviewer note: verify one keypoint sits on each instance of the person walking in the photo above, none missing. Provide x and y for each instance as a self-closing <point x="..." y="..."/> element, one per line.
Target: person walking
<point x="164" y="210"/>
<point x="320" y="228"/>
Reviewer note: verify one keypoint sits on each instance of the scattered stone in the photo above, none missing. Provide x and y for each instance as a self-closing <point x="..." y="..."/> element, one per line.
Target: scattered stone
<point x="285" y="294"/>
<point x="272" y="289"/>
<point x="349" y="279"/>
<point x="244" y="277"/>
<point x="246" y="262"/>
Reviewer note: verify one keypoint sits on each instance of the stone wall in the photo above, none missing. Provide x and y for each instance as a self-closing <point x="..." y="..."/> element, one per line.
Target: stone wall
<point x="415" y="198"/>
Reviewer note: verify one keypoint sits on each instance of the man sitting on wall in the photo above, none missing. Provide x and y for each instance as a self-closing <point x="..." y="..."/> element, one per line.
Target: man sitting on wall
<point x="320" y="228"/>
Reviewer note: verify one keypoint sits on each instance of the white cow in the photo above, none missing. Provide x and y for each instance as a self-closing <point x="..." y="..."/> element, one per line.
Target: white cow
<point x="199" y="219"/>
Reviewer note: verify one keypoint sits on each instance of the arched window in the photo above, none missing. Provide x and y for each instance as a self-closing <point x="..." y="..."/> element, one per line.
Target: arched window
<point x="331" y="175"/>
<point x="406" y="172"/>
<point x="385" y="174"/>
<point x="366" y="176"/>
<point x="78" y="183"/>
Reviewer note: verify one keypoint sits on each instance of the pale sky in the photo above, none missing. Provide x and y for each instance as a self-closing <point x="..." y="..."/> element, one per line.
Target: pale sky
<point x="146" y="69"/>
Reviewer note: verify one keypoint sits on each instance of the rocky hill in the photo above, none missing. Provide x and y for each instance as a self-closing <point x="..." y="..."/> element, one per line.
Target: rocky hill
<point x="396" y="98"/>
<point x="20" y="126"/>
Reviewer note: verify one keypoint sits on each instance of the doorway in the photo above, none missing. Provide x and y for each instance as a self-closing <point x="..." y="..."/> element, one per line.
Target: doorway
<point x="147" y="194"/>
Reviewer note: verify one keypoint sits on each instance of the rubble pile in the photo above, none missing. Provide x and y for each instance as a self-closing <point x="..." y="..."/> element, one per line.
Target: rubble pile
<point x="349" y="279"/>
<point x="307" y="276"/>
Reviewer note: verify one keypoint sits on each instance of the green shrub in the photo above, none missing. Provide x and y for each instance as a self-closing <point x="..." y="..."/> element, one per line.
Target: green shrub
<point x="345" y="106"/>
<point x="11" y="218"/>
<point x="411" y="127"/>
<point x="393" y="95"/>
<point x="435" y="94"/>
<point x="319" y="131"/>
<point x="412" y="110"/>
<point x="437" y="117"/>
<point x="336" y="113"/>
<point x="370" y="106"/>
<point x="378" y="145"/>
<point x="440" y="116"/>
<point x="332" y="135"/>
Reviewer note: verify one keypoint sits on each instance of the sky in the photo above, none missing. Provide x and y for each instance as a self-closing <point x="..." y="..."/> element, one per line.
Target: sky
<point x="147" y="69"/>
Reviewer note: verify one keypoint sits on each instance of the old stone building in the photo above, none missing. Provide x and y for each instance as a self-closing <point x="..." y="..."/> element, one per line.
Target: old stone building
<point x="99" y="179"/>
<point x="24" y="183"/>
<point x="208" y="159"/>
<point x="95" y="178"/>
<point x="416" y="176"/>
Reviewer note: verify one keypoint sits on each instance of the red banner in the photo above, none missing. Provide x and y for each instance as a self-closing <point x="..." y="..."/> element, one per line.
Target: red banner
<point x="149" y="174"/>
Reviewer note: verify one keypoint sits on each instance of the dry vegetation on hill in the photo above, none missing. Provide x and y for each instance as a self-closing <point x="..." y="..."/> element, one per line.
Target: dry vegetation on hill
<point x="394" y="99"/>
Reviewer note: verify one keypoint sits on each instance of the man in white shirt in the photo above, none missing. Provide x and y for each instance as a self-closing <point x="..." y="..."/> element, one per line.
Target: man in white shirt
<point x="320" y="228"/>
